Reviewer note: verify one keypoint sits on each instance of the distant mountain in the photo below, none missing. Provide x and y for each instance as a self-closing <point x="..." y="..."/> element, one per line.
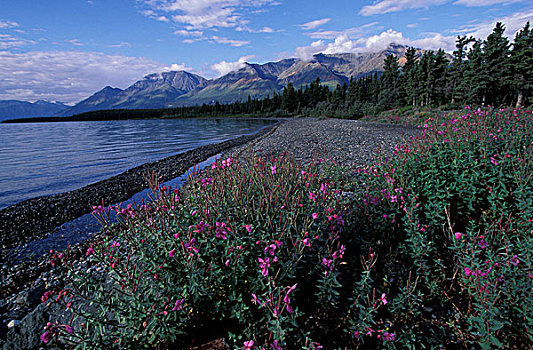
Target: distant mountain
<point x="180" y="88"/>
<point x="10" y="109"/>
<point x="157" y="90"/>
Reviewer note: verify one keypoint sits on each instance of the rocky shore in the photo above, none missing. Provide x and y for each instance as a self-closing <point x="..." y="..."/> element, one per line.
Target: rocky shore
<point x="34" y="218"/>
<point x="22" y="316"/>
<point x="348" y="142"/>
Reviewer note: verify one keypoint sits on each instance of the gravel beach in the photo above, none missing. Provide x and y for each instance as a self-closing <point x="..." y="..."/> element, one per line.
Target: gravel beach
<point x="351" y="143"/>
<point x="348" y="142"/>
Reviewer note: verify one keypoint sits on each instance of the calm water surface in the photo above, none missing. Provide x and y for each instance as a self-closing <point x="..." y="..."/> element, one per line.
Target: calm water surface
<point x="49" y="158"/>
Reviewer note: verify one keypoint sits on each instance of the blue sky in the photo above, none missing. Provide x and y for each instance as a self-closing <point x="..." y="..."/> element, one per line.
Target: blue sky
<point x="65" y="50"/>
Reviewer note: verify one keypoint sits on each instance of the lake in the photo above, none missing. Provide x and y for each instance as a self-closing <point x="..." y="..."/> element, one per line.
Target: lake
<point x="40" y="159"/>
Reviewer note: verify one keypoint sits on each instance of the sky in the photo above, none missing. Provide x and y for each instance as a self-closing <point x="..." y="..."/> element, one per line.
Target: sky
<point x="65" y="50"/>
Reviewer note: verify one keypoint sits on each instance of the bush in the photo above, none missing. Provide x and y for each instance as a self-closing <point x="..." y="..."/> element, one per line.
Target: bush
<point x="429" y="246"/>
<point x="248" y="249"/>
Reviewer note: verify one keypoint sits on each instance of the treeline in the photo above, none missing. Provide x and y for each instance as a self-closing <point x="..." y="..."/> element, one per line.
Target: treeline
<point x="489" y="72"/>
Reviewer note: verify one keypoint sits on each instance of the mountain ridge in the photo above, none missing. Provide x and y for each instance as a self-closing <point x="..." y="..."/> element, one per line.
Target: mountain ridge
<point x="11" y="109"/>
<point x="182" y="88"/>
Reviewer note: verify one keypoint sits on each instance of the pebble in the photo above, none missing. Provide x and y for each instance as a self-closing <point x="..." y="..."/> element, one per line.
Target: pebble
<point x="13" y="323"/>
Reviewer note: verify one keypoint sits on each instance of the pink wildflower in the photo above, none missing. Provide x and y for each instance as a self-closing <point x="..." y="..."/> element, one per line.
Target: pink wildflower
<point x="46" y="337"/>
<point x="383" y="300"/>
<point x="275" y="345"/>
<point x="327" y="263"/>
<point x="90" y="251"/>
<point x="271" y="249"/>
<point x="171" y="253"/>
<point x="178" y="305"/>
<point x="248" y="345"/>
<point x="264" y="264"/>
<point x="458" y="235"/>
<point x="220" y="231"/>
<point x="47" y="295"/>
<point x="388" y="336"/>
<point x="273" y="169"/>
<point x="255" y="300"/>
<point x="314" y="216"/>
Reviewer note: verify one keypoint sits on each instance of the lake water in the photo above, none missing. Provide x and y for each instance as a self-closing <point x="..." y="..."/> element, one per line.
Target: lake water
<point x="48" y="158"/>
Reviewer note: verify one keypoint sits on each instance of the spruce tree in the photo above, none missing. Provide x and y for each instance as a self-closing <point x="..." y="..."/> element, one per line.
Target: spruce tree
<point x="522" y="65"/>
<point x="388" y="96"/>
<point x="408" y="79"/>
<point x="496" y="55"/>
<point x="457" y="68"/>
<point x="475" y="80"/>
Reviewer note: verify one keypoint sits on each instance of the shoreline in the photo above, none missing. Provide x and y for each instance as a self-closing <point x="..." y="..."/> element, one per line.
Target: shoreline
<point x="34" y="218"/>
<point x="346" y="142"/>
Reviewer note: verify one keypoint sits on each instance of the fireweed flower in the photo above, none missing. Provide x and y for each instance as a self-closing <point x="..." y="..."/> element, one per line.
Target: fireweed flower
<point x="98" y="209"/>
<point x="314" y="216"/>
<point x="514" y="260"/>
<point x="388" y="336"/>
<point x="383" y="300"/>
<point x="47" y="295"/>
<point x="90" y="251"/>
<point x="273" y="169"/>
<point x="327" y="263"/>
<point x="248" y="228"/>
<point x="482" y="243"/>
<point x="275" y="345"/>
<point x="312" y="196"/>
<point x="171" y="253"/>
<point x="178" y="305"/>
<point x="458" y="235"/>
<point x="248" y="344"/>
<point x="220" y="231"/>
<point x="68" y="329"/>
<point x="339" y="253"/>
<point x="264" y="264"/>
<point x="46" y="337"/>
<point x="271" y="249"/>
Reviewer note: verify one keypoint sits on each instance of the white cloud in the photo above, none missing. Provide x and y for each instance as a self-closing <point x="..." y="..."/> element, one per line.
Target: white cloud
<point x="475" y="3"/>
<point x="387" y="6"/>
<point x="343" y="44"/>
<point x="249" y="30"/>
<point x="121" y="44"/>
<point x="202" y="14"/>
<point x="513" y="23"/>
<point x="314" y="24"/>
<point x="176" y="67"/>
<point x="67" y="76"/>
<point x="8" y="41"/>
<point x="384" y="39"/>
<point x="351" y="32"/>
<point x="224" y="67"/>
<point x="8" y="24"/>
<point x="235" y="43"/>
<point x="189" y="32"/>
<point x="307" y="52"/>
<point x="412" y="25"/>
<point x="435" y="42"/>
<point x="75" y="42"/>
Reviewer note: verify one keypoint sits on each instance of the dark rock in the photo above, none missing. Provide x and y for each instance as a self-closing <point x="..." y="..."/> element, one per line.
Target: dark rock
<point x="26" y="335"/>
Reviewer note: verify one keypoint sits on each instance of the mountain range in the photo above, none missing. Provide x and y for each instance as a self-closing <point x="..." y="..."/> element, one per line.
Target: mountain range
<point x="15" y="109"/>
<point x="181" y="88"/>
